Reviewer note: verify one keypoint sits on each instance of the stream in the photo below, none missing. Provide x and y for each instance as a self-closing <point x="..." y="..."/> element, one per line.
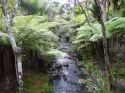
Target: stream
<point x="64" y="70"/>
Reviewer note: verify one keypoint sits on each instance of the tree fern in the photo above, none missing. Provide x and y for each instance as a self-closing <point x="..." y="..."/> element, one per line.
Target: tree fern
<point x="115" y="24"/>
<point x="33" y="32"/>
<point x="92" y="33"/>
<point x="88" y="33"/>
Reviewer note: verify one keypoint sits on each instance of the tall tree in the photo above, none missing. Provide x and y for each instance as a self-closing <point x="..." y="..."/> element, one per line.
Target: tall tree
<point x="100" y="17"/>
<point x="9" y="16"/>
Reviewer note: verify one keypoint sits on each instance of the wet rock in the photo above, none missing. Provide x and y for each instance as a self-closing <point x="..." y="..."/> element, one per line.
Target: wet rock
<point x="58" y="66"/>
<point x="118" y="85"/>
<point x="74" y="71"/>
<point x="66" y="65"/>
<point x="82" y="81"/>
<point x="53" y="72"/>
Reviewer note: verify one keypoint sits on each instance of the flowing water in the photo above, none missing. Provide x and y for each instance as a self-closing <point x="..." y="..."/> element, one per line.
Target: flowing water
<point x="64" y="71"/>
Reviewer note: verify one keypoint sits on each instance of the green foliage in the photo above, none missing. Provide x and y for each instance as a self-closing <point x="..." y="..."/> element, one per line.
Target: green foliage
<point x="115" y="2"/>
<point x="36" y="82"/>
<point x="61" y="20"/>
<point x="78" y="18"/>
<point x="34" y="32"/>
<point x="96" y="83"/>
<point x="94" y="9"/>
<point x="93" y="33"/>
<point x="119" y="7"/>
<point x="55" y="52"/>
<point x="2" y="25"/>
<point x="118" y="69"/>
<point x="33" y="6"/>
<point x="78" y="10"/>
<point x="46" y="88"/>
<point x="71" y="33"/>
<point x="88" y="33"/>
<point x="115" y="24"/>
<point x="41" y="7"/>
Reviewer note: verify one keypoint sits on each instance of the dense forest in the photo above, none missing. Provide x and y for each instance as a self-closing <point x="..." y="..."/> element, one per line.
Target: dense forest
<point x="62" y="46"/>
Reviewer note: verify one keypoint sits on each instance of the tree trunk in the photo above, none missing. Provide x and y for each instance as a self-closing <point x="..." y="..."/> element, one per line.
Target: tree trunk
<point x="103" y="7"/>
<point x="105" y="46"/>
<point x="16" y="49"/>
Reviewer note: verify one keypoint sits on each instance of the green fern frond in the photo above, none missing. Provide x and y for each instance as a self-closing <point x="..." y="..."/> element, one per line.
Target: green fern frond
<point x="33" y="32"/>
<point x="112" y="25"/>
<point x="93" y="32"/>
<point x="95" y="37"/>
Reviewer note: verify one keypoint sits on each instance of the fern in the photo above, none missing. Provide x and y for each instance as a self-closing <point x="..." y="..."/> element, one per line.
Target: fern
<point x="92" y="33"/>
<point x="115" y="24"/>
<point x="78" y="19"/>
<point x="95" y="37"/>
<point x="33" y="32"/>
<point x="88" y="33"/>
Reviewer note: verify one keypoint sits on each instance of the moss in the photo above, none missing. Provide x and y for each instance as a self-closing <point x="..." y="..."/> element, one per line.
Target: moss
<point x="35" y="82"/>
<point x="45" y="88"/>
<point x="118" y="70"/>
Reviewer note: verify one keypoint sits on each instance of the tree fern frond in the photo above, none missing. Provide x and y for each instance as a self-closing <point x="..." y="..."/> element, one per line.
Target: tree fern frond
<point x="33" y="32"/>
<point x="112" y="25"/>
<point x="95" y="37"/>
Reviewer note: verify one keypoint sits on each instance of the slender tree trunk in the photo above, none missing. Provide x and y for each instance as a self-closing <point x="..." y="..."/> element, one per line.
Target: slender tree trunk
<point x="107" y="61"/>
<point x="84" y="12"/>
<point x="50" y="15"/>
<point x="105" y="46"/>
<point x="87" y="19"/>
<point x="103" y="8"/>
<point x="16" y="49"/>
<point x="105" y="4"/>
